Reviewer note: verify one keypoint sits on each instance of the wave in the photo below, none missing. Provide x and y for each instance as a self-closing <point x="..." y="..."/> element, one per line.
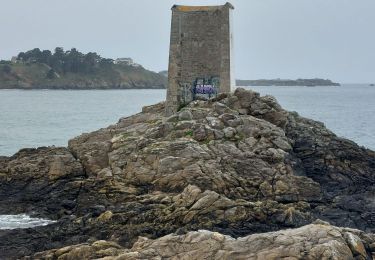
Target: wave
<point x="22" y="221"/>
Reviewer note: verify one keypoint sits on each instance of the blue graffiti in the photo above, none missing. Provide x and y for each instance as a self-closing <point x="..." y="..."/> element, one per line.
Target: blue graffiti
<point x="205" y="89"/>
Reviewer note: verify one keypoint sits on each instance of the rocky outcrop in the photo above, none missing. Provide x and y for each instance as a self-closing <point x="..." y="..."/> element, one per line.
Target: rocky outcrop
<point x="44" y="180"/>
<point x="236" y="165"/>
<point x="314" y="241"/>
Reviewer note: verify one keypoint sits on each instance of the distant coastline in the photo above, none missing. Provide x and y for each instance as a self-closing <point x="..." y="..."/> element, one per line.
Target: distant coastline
<point x="36" y="69"/>
<point x="81" y="87"/>
<point x="73" y="70"/>
<point x="287" y="82"/>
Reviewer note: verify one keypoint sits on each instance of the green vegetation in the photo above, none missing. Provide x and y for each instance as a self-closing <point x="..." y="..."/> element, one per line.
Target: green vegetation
<point x="189" y="133"/>
<point x="74" y="70"/>
<point x="64" y="62"/>
<point x="180" y="107"/>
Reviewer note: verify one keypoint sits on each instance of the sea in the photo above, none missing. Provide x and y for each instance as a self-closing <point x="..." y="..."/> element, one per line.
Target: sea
<point x="32" y="118"/>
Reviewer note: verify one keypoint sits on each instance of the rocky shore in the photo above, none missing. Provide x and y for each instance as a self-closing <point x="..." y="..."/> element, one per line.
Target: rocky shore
<point x="235" y="177"/>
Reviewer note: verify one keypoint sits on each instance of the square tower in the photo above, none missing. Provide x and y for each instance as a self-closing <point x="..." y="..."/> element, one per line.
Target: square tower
<point x="200" y="54"/>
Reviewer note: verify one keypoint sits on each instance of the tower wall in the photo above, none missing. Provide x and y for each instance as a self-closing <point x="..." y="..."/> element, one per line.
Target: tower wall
<point x="200" y="48"/>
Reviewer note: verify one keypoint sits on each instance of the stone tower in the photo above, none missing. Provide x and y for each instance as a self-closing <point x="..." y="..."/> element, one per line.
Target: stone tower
<point x="200" y="54"/>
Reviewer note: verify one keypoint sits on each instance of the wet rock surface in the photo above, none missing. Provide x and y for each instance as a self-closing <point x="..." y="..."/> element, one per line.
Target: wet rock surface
<point x="44" y="180"/>
<point x="236" y="165"/>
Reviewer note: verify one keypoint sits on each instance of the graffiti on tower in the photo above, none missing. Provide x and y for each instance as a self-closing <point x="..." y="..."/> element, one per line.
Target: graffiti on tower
<point x="206" y="88"/>
<point x="199" y="89"/>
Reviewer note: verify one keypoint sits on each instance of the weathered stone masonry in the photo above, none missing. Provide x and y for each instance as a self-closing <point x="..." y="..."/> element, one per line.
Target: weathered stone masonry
<point x="200" y="47"/>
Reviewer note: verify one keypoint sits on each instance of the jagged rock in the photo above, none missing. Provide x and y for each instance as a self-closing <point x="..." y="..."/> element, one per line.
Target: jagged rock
<point x="98" y="249"/>
<point x="356" y="246"/>
<point x="199" y="134"/>
<point x="238" y="165"/>
<point x="46" y="180"/>
<point x="185" y="115"/>
<point x="309" y="242"/>
<point x="229" y="132"/>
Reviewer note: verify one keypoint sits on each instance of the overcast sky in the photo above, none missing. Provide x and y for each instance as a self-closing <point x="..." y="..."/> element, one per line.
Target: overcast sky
<point x="273" y="38"/>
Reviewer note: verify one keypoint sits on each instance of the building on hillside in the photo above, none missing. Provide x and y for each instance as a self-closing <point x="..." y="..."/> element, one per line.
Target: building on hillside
<point x="200" y="54"/>
<point x="127" y="61"/>
<point x="14" y="59"/>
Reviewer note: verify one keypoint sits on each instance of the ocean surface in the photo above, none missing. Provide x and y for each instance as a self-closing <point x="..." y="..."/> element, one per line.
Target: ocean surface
<point x="51" y="117"/>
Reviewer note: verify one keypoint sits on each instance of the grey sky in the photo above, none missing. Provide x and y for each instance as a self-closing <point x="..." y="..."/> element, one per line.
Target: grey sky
<point x="273" y="38"/>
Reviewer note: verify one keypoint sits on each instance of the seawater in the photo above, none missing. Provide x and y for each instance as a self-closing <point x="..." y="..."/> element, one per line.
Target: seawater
<point x="21" y="221"/>
<point x="32" y="118"/>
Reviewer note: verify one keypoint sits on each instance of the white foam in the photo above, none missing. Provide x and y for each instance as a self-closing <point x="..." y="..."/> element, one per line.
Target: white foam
<point x="22" y="221"/>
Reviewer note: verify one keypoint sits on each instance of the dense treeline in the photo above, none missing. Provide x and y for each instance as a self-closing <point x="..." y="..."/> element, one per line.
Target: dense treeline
<point x="66" y="61"/>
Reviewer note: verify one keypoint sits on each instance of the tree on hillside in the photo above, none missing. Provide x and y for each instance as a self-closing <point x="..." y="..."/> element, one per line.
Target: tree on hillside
<point x="106" y="63"/>
<point x="21" y="56"/>
<point x="91" y="62"/>
<point x="51" y="74"/>
<point x="34" y="55"/>
<point x="59" y="53"/>
<point x="72" y="61"/>
<point x="45" y="57"/>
